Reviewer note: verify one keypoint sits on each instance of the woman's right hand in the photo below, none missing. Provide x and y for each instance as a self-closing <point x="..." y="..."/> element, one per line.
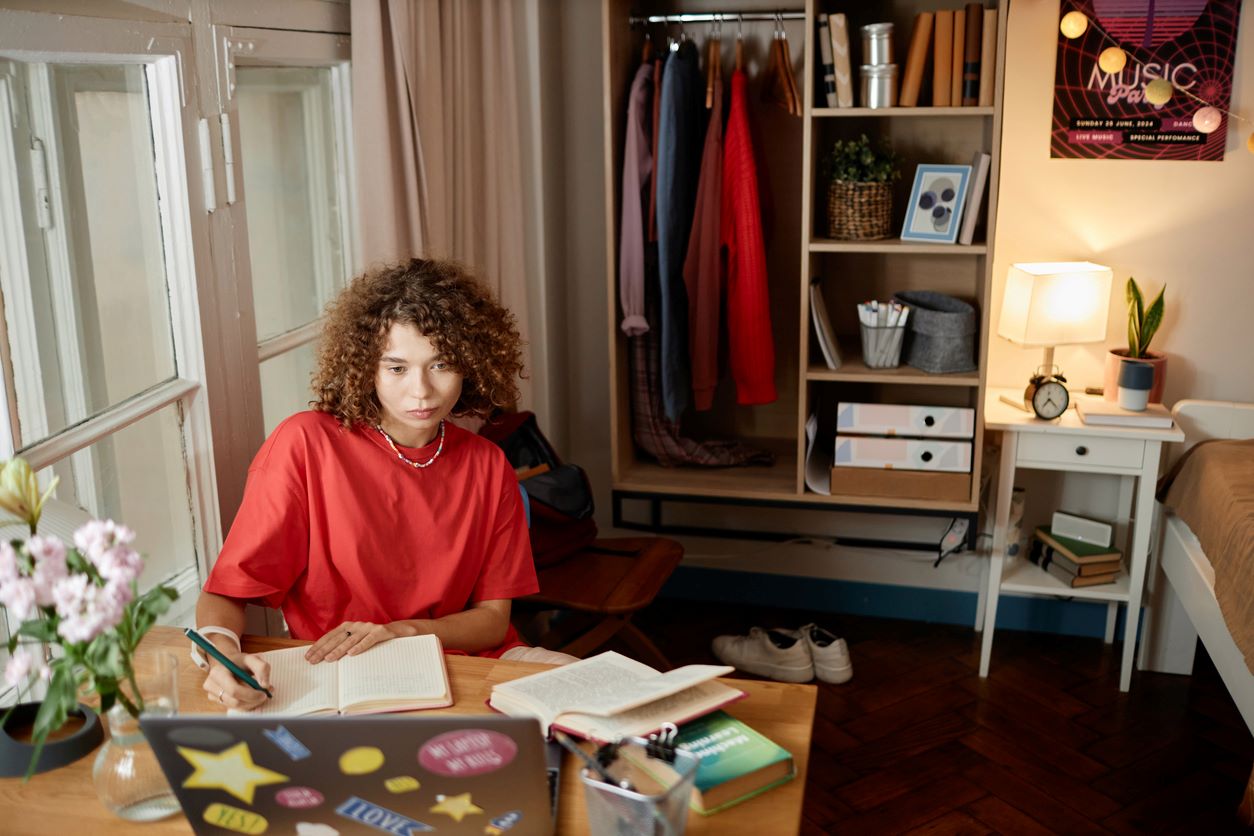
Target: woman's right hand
<point x="223" y="688"/>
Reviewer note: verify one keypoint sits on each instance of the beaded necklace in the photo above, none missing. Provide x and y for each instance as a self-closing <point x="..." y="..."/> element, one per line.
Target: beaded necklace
<point x="408" y="460"/>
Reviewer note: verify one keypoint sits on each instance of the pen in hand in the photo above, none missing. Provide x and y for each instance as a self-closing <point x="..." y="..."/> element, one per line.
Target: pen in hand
<point x="238" y="672"/>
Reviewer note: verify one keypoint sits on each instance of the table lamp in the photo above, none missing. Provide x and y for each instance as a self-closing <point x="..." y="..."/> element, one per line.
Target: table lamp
<point x="1048" y="304"/>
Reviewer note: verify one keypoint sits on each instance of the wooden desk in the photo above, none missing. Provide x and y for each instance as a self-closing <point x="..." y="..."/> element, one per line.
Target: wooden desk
<point x="64" y="800"/>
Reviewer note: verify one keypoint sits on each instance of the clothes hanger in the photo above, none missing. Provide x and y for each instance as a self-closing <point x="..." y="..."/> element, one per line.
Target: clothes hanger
<point x="740" y="43"/>
<point x="646" y="52"/>
<point x="775" y="88"/>
<point x="794" y="97"/>
<point x="713" y="61"/>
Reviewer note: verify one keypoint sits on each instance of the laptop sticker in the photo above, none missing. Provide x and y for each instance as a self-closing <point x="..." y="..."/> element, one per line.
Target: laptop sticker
<point x="202" y="737"/>
<point x="287" y="741"/>
<point x="304" y="828"/>
<point x="380" y="818"/>
<point x="467" y="752"/>
<point x="361" y="760"/>
<point x="299" y="798"/>
<point x="231" y="770"/>
<point x="401" y="783"/>
<point x="233" y="818"/>
<point x="456" y="806"/>
<point x="500" y="824"/>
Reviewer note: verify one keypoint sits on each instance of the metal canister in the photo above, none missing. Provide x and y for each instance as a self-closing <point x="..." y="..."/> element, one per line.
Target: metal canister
<point x="877" y="43"/>
<point x="879" y="85"/>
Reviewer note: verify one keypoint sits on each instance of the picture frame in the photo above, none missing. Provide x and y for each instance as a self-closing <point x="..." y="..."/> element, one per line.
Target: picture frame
<point x="937" y="198"/>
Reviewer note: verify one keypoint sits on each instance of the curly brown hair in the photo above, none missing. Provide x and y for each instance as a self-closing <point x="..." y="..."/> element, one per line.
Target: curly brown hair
<point x="444" y="301"/>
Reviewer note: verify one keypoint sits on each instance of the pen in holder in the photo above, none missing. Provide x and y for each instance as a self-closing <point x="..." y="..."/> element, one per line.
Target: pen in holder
<point x="648" y="790"/>
<point x="883" y="327"/>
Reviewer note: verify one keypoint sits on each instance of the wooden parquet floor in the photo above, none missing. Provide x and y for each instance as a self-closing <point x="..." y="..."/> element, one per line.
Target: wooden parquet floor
<point x="918" y="743"/>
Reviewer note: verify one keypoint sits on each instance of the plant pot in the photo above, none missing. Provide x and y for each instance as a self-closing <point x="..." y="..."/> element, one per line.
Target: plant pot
<point x="1110" y="386"/>
<point x="859" y="211"/>
<point x="15" y="754"/>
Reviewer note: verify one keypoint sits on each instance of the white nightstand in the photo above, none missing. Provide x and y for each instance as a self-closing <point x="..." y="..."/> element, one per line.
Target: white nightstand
<point x="1068" y="444"/>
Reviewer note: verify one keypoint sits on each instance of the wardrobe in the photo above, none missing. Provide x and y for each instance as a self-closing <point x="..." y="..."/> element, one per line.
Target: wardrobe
<point x="793" y="200"/>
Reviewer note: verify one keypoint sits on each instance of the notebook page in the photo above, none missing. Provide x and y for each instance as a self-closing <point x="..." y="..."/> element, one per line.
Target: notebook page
<point x="401" y="670"/>
<point x="298" y="686"/>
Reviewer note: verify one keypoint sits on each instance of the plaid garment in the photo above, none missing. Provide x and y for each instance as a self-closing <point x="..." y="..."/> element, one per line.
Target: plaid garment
<point x="654" y="434"/>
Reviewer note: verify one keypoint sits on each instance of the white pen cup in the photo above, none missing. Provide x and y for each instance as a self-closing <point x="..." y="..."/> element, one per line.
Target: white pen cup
<point x="881" y="345"/>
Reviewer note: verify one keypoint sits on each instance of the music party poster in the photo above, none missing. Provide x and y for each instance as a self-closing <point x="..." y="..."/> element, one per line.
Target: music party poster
<point x="1100" y="115"/>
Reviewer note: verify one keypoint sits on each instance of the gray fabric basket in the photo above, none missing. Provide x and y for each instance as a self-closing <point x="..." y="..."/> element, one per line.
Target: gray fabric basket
<point x="940" y="332"/>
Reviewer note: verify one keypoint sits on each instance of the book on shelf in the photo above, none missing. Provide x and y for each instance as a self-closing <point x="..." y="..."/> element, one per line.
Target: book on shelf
<point x="1075" y="550"/>
<point x="842" y="67"/>
<point x="972" y="43"/>
<point x="737" y="761"/>
<point x="1042" y="554"/>
<point x="1103" y="413"/>
<point x="609" y="696"/>
<point x="829" y="70"/>
<point x="398" y="675"/>
<point x="916" y="60"/>
<point x="958" y="57"/>
<point x="988" y="58"/>
<point x="823" y="327"/>
<point x="980" y="162"/>
<point x="1075" y="581"/>
<point x="942" y="63"/>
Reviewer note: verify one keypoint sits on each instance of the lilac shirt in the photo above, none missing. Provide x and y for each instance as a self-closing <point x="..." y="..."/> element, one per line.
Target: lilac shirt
<point x="637" y="167"/>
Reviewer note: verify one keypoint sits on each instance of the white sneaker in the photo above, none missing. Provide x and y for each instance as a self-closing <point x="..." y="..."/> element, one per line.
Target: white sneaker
<point x="778" y="654"/>
<point x="829" y="654"/>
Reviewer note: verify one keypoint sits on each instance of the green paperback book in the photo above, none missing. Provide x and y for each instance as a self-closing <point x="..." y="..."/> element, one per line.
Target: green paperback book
<point x="737" y="762"/>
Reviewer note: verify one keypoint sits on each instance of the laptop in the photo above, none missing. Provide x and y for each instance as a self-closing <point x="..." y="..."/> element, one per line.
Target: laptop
<point x="322" y="776"/>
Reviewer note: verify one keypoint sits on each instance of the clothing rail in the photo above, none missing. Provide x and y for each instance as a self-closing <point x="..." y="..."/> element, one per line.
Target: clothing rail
<point x="715" y="17"/>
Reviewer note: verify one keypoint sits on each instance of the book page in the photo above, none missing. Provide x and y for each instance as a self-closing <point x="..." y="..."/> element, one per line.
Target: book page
<point x="674" y="708"/>
<point x="605" y="684"/>
<point x="401" y="671"/>
<point x="298" y="686"/>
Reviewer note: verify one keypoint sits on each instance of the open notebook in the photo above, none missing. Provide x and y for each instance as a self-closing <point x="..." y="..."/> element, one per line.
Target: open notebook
<point x="398" y="675"/>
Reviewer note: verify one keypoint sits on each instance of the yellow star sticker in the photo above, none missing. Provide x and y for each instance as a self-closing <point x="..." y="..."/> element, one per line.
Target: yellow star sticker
<point x="456" y="806"/>
<point x="231" y="770"/>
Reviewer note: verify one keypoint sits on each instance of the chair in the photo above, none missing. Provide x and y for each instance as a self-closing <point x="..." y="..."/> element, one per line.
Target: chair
<point x="599" y="589"/>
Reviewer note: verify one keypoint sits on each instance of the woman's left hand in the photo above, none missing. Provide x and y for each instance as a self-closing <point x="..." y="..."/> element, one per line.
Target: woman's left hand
<point x="349" y="639"/>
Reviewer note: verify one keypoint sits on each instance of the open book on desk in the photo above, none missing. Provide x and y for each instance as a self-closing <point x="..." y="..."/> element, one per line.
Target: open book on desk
<point x="610" y="696"/>
<point x="398" y="675"/>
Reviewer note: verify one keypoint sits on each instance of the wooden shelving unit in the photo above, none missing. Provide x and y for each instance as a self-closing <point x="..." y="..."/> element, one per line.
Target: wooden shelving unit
<point x="797" y="251"/>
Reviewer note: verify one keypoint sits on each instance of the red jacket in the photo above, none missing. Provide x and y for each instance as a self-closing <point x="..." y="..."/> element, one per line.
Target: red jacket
<point x="750" y="344"/>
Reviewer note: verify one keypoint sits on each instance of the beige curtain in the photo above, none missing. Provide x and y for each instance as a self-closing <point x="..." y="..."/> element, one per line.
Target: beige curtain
<point x="436" y="129"/>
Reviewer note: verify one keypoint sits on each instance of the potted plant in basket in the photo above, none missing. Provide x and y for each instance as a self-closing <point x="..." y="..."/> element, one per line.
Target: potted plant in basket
<point x="81" y="619"/>
<point x="1143" y="323"/>
<point x="859" y="191"/>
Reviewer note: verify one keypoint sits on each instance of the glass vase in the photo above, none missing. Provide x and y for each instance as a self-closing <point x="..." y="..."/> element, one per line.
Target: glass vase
<point x="128" y="778"/>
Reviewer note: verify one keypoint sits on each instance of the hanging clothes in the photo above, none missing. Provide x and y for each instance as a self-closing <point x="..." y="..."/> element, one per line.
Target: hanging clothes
<point x="658" y="65"/>
<point x="678" y="163"/>
<point x="702" y="274"/>
<point x="637" y="171"/>
<point x="751" y="347"/>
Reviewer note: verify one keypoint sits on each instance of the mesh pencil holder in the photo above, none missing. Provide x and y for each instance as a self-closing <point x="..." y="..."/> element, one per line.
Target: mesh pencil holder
<point x="881" y="345"/>
<point x="658" y="809"/>
<point x="859" y="211"/>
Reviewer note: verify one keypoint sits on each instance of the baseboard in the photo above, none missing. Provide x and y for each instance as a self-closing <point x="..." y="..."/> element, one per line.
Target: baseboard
<point x="944" y="606"/>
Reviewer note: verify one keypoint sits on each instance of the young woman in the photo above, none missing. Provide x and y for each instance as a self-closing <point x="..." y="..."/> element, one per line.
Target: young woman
<point x="371" y="516"/>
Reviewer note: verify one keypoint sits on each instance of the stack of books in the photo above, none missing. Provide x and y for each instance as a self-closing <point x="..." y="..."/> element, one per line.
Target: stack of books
<point x="962" y="47"/>
<point x="1073" y="562"/>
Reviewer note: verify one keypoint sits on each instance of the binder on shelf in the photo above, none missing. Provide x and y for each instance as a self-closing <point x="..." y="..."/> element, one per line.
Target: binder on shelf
<point x="916" y="60"/>
<point x="829" y="70"/>
<point x="988" y="57"/>
<point x="975" y="196"/>
<point x="971" y="51"/>
<point x="903" y="454"/>
<point x="838" y="28"/>
<point x="823" y="327"/>
<point x="958" y="58"/>
<point x="904" y="420"/>
<point x="942" y="64"/>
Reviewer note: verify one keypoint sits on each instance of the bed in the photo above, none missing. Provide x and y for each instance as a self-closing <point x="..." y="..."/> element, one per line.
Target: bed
<point x="1183" y="606"/>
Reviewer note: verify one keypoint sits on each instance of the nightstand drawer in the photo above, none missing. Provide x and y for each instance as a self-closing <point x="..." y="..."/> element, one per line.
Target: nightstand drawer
<point x="1059" y="452"/>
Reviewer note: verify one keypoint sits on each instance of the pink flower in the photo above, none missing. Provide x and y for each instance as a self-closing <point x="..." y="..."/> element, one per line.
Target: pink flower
<point x="119" y="563"/>
<point x="49" y="557"/>
<point x="95" y="537"/>
<point x="23" y="664"/>
<point x="8" y="562"/>
<point x="86" y="610"/>
<point x="18" y="595"/>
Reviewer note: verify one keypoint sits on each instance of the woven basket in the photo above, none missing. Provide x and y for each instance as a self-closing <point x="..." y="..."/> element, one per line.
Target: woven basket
<point x="858" y="211"/>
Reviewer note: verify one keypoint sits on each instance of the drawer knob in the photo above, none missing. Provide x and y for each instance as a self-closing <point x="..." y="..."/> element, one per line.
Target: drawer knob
<point x="929" y="421"/>
<point x="927" y="456"/>
<point x="1081" y="450"/>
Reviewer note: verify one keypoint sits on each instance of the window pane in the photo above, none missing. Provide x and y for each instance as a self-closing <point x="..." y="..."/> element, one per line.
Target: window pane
<point x="291" y="189"/>
<point x="285" y="383"/>
<point x="89" y="319"/>
<point x="137" y="476"/>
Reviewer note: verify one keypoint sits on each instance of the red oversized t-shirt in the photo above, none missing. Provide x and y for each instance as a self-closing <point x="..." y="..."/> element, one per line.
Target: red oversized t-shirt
<point x="334" y="527"/>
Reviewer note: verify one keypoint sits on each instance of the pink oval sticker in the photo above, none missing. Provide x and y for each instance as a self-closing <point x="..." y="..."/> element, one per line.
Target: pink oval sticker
<point x="467" y="752"/>
<point x="299" y="798"/>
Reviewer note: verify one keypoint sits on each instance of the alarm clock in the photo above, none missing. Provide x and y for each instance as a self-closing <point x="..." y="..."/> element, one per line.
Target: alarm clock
<point x="1047" y="395"/>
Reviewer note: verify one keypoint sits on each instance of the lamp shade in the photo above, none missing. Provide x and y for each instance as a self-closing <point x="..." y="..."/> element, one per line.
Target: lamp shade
<point x="1055" y="303"/>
